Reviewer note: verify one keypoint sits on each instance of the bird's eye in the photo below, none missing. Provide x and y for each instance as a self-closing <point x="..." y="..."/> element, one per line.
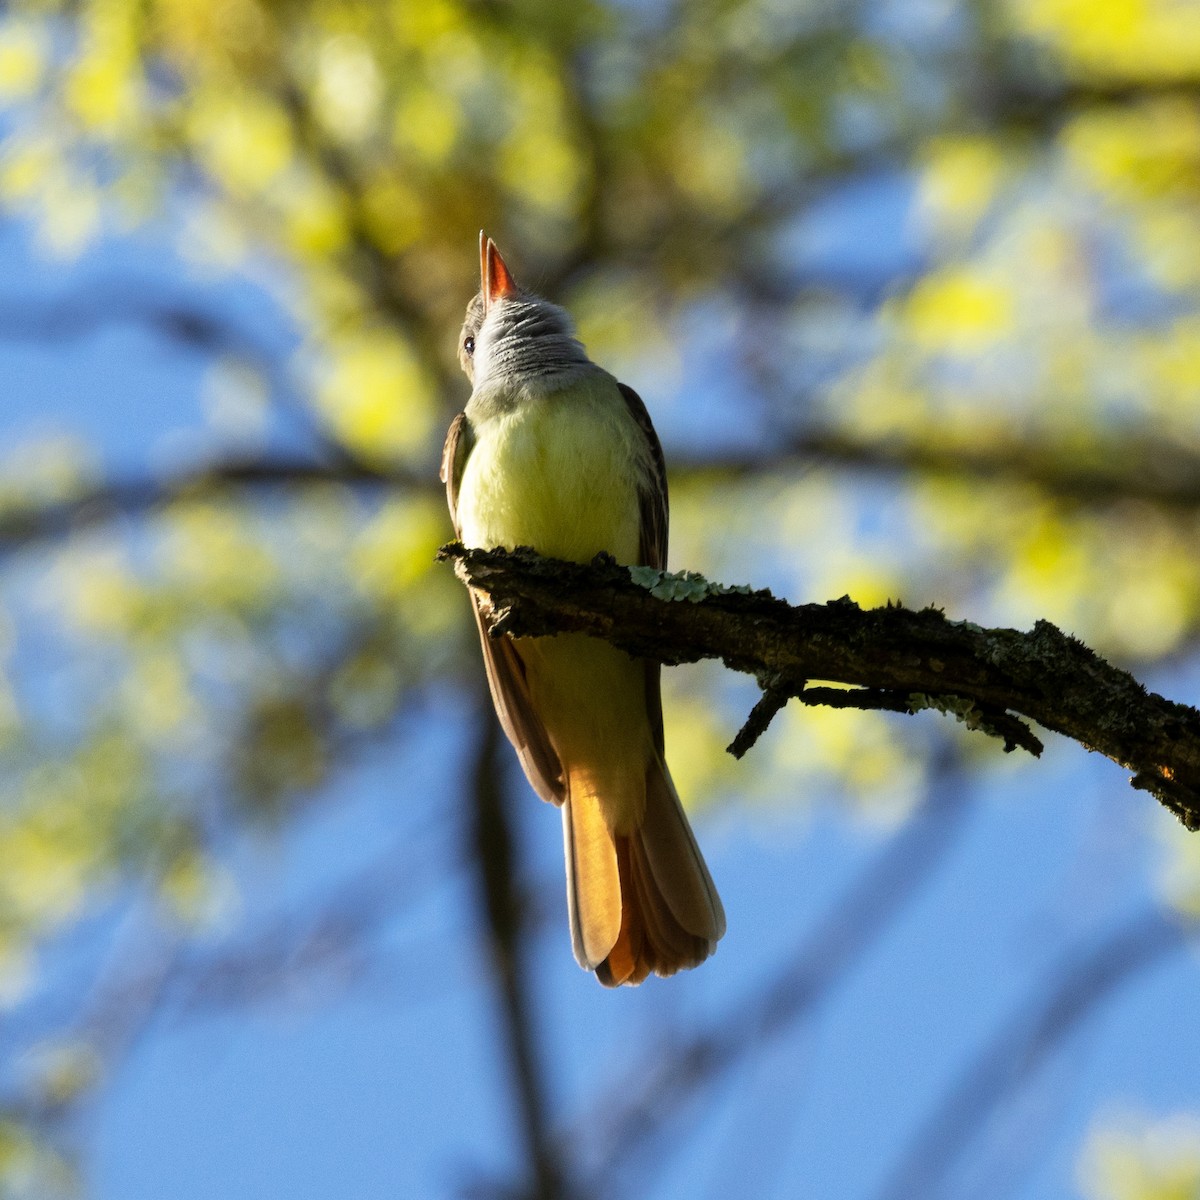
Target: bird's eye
<point x="469" y="344"/>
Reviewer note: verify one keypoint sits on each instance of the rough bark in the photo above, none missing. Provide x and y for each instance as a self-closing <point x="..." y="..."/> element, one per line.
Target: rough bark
<point x="994" y="680"/>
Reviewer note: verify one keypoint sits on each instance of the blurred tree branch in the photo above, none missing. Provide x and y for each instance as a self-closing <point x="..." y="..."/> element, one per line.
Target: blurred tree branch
<point x="1147" y="470"/>
<point x="1005" y="1063"/>
<point x="103" y="502"/>
<point x="495" y="861"/>
<point x="905" y="661"/>
<point x="91" y="309"/>
<point x="1094" y="471"/>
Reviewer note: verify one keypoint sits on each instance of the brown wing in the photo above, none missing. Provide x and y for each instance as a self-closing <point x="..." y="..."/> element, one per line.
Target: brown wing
<point x="652" y="496"/>
<point x="454" y="455"/>
<point x="653" y="492"/>
<point x="505" y="670"/>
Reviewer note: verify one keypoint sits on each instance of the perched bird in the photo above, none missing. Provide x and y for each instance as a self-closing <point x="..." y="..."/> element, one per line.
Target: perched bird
<point x="553" y="453"/>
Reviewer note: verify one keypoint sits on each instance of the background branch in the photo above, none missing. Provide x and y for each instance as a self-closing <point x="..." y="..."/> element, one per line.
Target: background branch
<point x="1004" y="1065"/>
<point x="494" y="856"/>
<point x="1151" y="471"/>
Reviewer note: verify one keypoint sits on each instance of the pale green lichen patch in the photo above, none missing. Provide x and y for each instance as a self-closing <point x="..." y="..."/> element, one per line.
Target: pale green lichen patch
<point x="969" y="626"/>
<point x="958" y="706"/>
<point x="970" y="714"/>
<point x="681" y="585"/>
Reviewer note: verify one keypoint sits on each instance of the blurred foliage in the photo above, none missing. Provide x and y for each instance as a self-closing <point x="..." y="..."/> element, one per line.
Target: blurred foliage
<point x="654" y="168"/>
<point x="1146" y="1160"/>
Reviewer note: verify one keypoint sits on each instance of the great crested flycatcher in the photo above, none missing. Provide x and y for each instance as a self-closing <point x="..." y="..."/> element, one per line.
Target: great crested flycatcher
<point x="553" y="453"/>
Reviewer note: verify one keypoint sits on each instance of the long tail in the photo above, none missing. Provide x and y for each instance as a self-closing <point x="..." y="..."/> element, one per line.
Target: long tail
<point x="642" y="902"/>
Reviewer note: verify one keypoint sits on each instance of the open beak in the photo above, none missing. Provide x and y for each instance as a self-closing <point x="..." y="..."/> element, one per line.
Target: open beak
<point x="495" y="279"/>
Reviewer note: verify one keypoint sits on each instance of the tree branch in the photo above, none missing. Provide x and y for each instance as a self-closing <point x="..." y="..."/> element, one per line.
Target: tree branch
<point x="904" y="660"/>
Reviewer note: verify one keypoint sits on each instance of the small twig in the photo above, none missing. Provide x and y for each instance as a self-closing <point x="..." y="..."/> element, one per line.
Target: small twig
<point x="761" y="715"/>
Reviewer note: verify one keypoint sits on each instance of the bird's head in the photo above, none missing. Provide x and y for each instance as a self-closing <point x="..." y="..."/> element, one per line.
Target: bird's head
<point x="509" y="331"/>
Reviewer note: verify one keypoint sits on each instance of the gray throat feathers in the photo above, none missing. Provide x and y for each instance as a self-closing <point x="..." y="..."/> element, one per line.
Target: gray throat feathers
<point x="526" y="350"/>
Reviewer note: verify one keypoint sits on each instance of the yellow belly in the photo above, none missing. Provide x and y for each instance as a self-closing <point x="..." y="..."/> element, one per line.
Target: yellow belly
<point x="558" y="473"/>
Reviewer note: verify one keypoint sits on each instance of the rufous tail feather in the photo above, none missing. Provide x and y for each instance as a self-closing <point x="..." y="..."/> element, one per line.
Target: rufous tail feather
<point x="641" y="902"/>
